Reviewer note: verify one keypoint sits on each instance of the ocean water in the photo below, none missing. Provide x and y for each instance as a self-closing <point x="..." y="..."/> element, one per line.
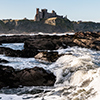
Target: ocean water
<point x="77" y="76"/>
<point x="14" y="46"/>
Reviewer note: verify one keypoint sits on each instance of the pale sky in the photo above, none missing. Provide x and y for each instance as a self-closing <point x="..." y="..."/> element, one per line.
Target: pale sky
<point x="85" y="10"/>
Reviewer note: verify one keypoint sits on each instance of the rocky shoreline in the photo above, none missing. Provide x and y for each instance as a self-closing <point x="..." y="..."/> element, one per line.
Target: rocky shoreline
<point x="37" y="43"/>
<point x="37" y="46"/>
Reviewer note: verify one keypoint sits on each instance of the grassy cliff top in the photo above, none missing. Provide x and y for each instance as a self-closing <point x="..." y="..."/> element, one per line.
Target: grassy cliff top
<point x="54" y="24"/>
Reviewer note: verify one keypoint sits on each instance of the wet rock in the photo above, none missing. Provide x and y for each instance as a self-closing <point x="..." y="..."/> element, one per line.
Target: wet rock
<point x="40" y="44"/>
<point x="9" y="52"/>
<point x="88" y="40"/>
<point x="27" y="77"/>
<point x="93" y="44"/>
<point x="49" y="42"/>
<point x="87" y="34"/>
<point x="48" y="56"/>
<point x="32" y="44"/>
<point x="97" y="42"/>
<point x="36" y="76"/>
<point x="5" y="76"/>
<point x="36" y="43"/>
<point x="3" y="61"/>
<point x="14" y="38"/>
<point x="18" y="53"/>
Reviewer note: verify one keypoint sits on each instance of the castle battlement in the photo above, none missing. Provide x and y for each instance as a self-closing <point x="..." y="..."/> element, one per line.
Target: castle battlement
<point x="44" y="14"/>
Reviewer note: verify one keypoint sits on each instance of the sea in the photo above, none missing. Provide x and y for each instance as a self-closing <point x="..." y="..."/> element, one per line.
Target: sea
<point x="77" y="74"/>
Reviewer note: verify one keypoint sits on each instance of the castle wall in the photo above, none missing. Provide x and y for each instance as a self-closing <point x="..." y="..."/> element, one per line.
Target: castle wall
<point x="44" y="14"/>
<point x="37" y="17"/>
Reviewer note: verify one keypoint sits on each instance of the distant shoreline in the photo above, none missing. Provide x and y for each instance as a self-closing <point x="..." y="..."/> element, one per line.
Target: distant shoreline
<point x="50" y="25"/>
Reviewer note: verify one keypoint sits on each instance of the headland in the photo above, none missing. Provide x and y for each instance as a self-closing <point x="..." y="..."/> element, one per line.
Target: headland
<point x="47" y="23"/>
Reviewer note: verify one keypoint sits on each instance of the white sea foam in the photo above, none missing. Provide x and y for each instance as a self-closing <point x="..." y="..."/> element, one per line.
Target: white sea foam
<point x="10" y="97"/>
<point x="77" y="72"/>
<point x="39" y="33"/>
<point x="57" y="34"/>
<point x="21" y="63"/>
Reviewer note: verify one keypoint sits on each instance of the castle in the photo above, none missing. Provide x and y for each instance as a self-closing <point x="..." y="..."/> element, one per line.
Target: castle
<point x="44" y="14"/>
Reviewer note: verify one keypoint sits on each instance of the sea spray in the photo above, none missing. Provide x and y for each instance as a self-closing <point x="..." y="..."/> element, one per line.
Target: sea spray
<point x="77" y="73"/>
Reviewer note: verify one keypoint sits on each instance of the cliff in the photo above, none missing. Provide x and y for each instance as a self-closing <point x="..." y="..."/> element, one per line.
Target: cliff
<point x="86" y="26"/>
<point x="49" y="25"/>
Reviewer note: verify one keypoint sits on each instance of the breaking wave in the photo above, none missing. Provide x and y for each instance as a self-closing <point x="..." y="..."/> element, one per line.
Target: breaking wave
<point x="77" y="72"/>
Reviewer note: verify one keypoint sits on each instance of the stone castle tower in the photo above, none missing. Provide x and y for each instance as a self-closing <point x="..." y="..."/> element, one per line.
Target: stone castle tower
<point x="44" y="14"/>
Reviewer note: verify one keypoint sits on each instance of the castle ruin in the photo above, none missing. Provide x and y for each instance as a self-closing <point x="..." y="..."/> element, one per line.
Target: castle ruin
<point x="44" y="14"/>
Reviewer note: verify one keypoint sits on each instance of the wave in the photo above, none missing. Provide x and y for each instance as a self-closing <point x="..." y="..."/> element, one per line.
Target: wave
<point x="77" y="72"/>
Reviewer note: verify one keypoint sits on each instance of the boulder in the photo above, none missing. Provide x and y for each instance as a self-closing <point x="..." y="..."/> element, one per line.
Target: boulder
<point x="27" y="77"/>
<point x="47" y="56"/>
<point x="36" y="77"/>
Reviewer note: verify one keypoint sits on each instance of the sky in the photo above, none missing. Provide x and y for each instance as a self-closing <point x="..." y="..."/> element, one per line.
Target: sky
<point x="76" y="10"/>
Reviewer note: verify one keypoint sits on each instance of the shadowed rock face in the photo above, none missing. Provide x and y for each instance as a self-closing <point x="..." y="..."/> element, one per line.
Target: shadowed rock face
<point x="27" y="77"/>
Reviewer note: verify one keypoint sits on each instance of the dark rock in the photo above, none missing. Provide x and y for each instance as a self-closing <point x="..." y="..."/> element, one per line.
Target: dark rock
<point x="87" y="35"/>
<point x="27" y="77"/>
<point x="40" y="44"/>
<point x="18" y="53"/>
<point x="14" y="38"/>
<point x="28" y="53"/>
<point x="48" y="56"/>
<point x="9" y="52"/>
<point x="97" y="42"/>
<point x="32" y="44"/>
<point x="36" y="76"/>
<point x="49" y="42"/>
<point x="5" y="76"/>
<point x="3" y="61"/>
